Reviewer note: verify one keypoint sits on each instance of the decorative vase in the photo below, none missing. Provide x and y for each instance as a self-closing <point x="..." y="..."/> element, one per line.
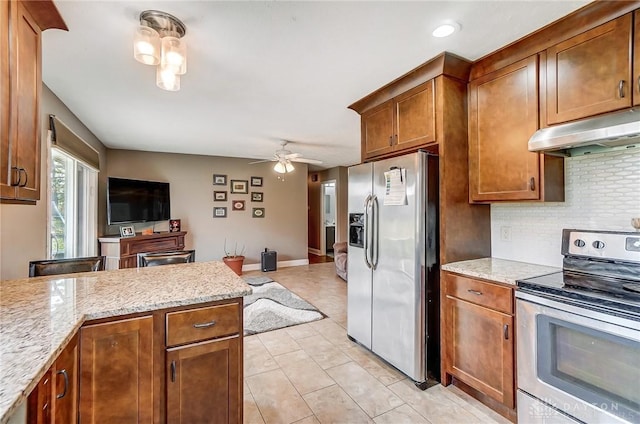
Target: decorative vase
<point x="235" y="263"/>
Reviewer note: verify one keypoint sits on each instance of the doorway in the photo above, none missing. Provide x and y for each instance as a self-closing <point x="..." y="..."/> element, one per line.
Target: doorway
<point x="328" y="217"/>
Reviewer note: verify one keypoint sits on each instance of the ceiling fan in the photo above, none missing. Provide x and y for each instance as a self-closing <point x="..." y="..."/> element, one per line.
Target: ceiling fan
<point x="283" y="159"/>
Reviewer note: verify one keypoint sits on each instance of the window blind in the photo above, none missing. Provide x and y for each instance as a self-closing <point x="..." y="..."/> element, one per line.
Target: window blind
<point x="68" y="141"/>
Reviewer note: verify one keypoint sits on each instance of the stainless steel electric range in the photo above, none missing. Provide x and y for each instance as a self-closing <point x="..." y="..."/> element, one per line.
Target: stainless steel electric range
<point x="578" y="347"/>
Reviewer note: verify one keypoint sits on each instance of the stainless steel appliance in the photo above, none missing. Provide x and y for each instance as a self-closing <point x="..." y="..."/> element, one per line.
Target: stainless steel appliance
<point x="392" y="292"/>
<point x="578" y="345"/>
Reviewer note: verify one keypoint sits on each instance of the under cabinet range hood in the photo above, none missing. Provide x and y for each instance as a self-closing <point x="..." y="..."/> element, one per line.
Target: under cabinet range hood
<point x="613" y="130"/>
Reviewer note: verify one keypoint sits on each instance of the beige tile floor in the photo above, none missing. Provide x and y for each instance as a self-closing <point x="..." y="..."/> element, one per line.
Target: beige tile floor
<point x="312" y="373"/>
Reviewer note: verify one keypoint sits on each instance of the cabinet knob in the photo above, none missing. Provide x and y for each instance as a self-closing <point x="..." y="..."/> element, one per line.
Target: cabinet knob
<point x="621" y="89"/>
<point x="506" y="331"/>
<point x="532" y="184"/>
<point x="390" y="140"/>
<point x="639" y="83"/>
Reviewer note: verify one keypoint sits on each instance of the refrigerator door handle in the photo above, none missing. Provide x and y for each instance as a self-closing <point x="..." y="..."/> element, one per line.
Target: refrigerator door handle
<point x="367" y="204"/>
<point x="375" y="224"/>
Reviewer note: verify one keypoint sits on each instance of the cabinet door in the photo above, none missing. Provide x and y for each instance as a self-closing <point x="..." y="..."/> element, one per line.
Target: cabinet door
<point x="65" y="385"/>
<point x="503" y="115"/>
<point x="590" y="73"/>
<point x="377" y="131"/>
<point x="480" y="348"/>
<point x="204" y="382"/>
<point x="29" y="81"/>
<point x="116" y="372"/>
<point x="635" y="78"/>
<point x="39" y="401"/>
<point x="7" y="191"/>
<point x="415" y="117"/>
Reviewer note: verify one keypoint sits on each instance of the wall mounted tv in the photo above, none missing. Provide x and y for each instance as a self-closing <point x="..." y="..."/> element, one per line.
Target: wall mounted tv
<point x="137" y="201"/>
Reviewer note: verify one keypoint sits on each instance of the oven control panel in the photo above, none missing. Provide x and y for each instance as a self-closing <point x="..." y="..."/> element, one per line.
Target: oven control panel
<point x="602" y="244"/>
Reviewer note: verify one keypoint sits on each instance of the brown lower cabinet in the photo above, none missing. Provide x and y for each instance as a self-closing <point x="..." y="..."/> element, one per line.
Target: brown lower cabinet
<point x="203" y="382"/>
<point x="116" y="372"/>
<point x="478" y="336"/>
<point x="123" y="379"/>
<point x="55" y="398"/>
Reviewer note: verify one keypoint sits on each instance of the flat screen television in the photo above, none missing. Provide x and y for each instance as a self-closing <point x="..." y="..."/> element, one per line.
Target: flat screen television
<point x="137" y="201"/>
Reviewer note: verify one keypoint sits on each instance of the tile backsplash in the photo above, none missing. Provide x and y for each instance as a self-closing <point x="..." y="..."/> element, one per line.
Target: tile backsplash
<point x="602" y="192"/>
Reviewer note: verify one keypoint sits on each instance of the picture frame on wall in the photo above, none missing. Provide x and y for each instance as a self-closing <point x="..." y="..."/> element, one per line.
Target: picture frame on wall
<point x="127" y="231"/>
<point x="256" y="196"/>
<point x="219" y="196"/>
<point x="237" y="205"/>
<point x="220" y="212"/>
<point x="239" y="186"/>
<point x="257" y="213"/>
<point x="256" y="181"/>
<point x="219" y="179"/>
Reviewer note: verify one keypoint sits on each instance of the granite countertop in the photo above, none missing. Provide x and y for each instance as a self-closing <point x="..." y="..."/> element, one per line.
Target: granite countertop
<point x="38" y="316"/>
<point x="500" y="270"/>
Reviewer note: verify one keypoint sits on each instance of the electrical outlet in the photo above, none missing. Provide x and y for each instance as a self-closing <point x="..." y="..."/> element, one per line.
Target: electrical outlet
<point x="505" y="233"/>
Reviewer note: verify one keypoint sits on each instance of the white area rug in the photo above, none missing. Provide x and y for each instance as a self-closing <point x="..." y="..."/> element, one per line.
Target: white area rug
<point x="272" y="306"/>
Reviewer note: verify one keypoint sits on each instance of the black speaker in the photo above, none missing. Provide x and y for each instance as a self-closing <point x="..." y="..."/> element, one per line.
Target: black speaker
<point x="269" y="260"/>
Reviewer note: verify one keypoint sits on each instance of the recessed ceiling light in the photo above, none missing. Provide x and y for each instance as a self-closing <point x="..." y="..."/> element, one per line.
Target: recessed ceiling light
<point x="446" y="29"/>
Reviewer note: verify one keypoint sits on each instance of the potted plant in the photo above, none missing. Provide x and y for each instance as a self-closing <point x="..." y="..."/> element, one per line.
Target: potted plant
<point x="235" y="259"/>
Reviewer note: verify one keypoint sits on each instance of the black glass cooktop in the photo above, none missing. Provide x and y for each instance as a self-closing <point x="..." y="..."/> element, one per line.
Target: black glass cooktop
<point x="614" y="295"/>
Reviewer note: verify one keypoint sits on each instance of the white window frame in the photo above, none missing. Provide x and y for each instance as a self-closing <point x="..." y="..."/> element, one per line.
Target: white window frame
<point x="90" y="233"/>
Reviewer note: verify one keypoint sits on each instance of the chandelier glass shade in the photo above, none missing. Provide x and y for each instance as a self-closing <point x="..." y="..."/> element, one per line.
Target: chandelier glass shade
<point x="158" y="42"/>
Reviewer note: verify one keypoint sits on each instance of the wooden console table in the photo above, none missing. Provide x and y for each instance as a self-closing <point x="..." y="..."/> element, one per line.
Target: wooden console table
<point x="122" y="252"/>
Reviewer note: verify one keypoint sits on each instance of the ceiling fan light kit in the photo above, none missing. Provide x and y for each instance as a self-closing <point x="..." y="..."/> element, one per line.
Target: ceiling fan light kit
<point x="158" y="42"/>
<point x="283" y="158"/>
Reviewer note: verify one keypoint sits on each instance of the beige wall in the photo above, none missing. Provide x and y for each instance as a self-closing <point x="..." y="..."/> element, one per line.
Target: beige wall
<point x="23" y="228"/>
<point x="284" y="227"/>
<point x="340" y="175"/>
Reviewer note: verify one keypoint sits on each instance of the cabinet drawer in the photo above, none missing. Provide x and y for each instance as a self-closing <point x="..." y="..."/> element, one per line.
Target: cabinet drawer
<point x="152" y="245"/>
<point x="479" y="292"/>
<point x="201" y="324"/>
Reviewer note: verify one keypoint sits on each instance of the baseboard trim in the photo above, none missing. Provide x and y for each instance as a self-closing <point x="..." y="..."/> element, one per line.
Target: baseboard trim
<point x="316" y="252"/>
<point x="281" y="264"/>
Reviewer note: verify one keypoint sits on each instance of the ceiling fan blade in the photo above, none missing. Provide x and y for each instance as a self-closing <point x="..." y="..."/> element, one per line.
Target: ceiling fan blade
<point x="303" y="160"/>
<point x="292" y="156"/>
<point x="261" y="161"/>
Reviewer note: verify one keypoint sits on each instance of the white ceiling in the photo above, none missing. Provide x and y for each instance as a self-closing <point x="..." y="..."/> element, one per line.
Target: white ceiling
<point x="262" y="71"/>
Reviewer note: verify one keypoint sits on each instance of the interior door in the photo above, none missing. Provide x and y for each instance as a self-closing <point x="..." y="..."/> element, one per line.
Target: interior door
<point x="398" y="279"/>
<point x="359" y="273"/>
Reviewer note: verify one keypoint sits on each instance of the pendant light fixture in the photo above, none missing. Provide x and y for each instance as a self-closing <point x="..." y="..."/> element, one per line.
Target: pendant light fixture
<point x="158" y="41"/>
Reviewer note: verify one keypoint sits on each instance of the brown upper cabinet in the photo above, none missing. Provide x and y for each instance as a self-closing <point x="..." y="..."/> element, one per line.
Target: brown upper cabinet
<point x="401" y="116"/>
<point x="404" y="122"/>
<point x="21" y="82"/>
<point x="591" y="73"/>
<point x="503" y="114"/>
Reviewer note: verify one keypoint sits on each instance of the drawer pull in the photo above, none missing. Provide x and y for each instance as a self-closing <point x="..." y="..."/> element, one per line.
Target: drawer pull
<point x="476" y="292"/>
<point x="621" y="89"/>
<point x="66" y="384"/>
<point x="173" y="371"/>
<point x="205" y="324"/>
<point x="506" y="331"/>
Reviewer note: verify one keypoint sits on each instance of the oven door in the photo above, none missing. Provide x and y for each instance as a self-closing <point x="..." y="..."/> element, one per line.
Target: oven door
<point x="583" y="363"/>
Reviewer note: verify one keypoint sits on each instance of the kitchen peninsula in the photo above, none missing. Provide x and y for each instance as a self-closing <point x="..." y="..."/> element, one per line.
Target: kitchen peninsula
<point x="39" y="317"/>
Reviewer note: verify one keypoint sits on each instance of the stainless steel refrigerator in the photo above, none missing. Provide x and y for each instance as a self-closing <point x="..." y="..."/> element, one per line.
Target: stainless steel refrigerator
<point x="393" y="284"/>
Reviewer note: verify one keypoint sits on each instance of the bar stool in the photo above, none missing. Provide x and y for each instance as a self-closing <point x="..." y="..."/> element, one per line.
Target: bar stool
<point x="166" y="258"/>
<point x="66" y="266"/>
